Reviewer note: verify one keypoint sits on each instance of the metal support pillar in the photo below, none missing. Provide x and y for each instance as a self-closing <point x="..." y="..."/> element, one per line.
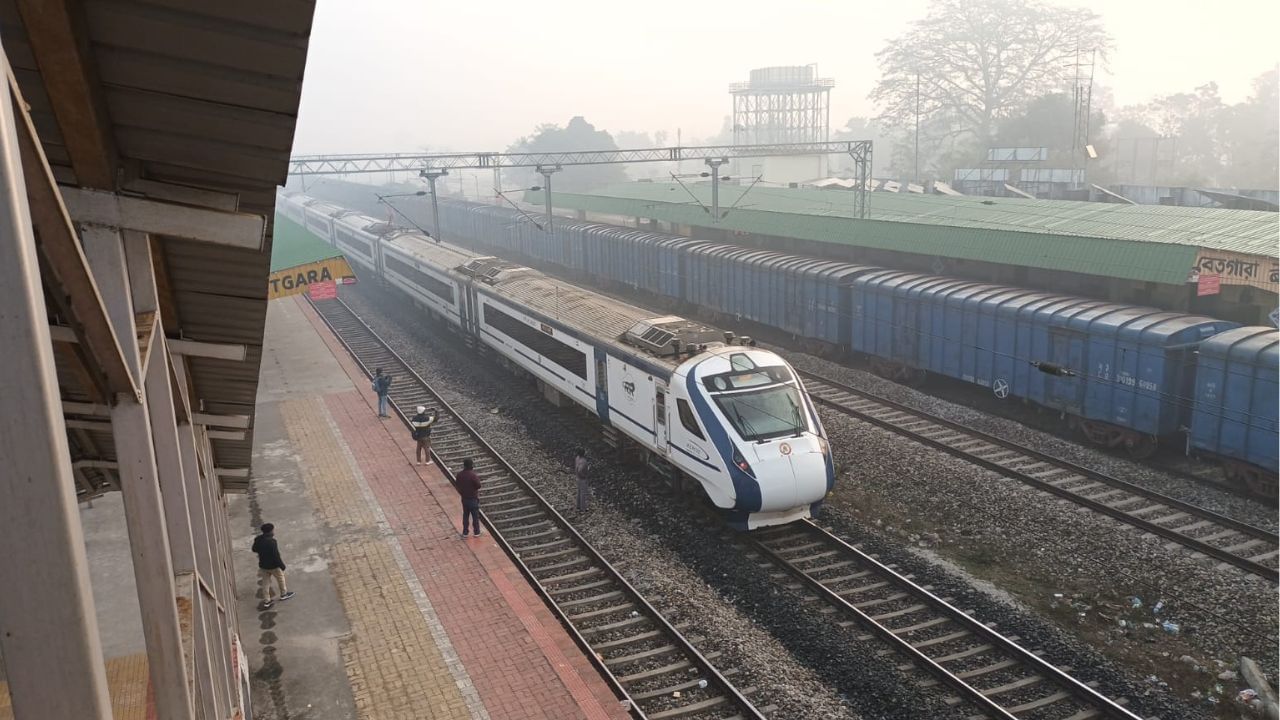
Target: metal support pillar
<point x="430" y="176"/>
<point x="160" y="407"/>
<point x="860" y="151"/>
<point x="546" y="171"/>
<point x="48" y="630"/>
<point x="164" y="429"/>
<point x="715" y="164"/>
<point x="140" y="486"/>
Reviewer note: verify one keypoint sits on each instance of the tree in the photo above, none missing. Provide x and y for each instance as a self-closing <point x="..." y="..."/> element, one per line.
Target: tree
<point x="577" y="135"/>
<point x="1250" y="135"/>
<point x="979" y="61"/>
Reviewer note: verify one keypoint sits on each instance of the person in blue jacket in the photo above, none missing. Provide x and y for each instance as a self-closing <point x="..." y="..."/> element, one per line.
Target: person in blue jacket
<point x="382" y="386"/>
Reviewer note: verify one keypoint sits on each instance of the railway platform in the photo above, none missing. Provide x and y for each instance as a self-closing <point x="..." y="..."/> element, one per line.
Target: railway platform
<point x="395" y="616"/>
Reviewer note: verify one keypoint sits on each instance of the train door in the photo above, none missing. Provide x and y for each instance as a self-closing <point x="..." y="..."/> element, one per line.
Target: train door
<point x="602" y="386"/>
<point x="470" y="310"/>
<point x="661" y="431"/>
<point x="378" y="259"/>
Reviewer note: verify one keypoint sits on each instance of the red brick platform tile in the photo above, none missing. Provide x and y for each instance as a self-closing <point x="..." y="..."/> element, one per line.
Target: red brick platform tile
<point x="514" y="649"/>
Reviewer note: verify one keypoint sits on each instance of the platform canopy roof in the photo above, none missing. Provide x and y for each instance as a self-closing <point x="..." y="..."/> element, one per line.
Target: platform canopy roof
<point x="1139" y="242"/>
<point x="187" y="109"/>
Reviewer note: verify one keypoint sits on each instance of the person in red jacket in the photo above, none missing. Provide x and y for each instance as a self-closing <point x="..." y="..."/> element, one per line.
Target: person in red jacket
<point x="469" y="489"/>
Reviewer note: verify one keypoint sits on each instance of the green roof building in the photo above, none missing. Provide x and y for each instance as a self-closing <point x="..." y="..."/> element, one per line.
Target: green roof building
<point x="1139" y="254"/>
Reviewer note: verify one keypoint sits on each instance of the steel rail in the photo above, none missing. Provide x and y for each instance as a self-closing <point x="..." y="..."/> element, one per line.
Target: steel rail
<point x="826" y="390"/>
<point x="451" y="429"/>
<point x="914" y="604"/>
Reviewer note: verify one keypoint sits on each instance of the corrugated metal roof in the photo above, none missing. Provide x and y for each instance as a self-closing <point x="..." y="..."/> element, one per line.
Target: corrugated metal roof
<point x="1140" y="242"/>
<point x="202" y="95"/>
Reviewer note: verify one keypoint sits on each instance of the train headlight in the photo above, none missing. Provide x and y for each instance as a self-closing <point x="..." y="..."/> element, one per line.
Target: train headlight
<point x="824" y="446"/>
<point x="742" y="463"/>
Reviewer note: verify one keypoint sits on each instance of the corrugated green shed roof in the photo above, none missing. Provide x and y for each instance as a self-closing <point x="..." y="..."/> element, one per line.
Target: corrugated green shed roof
<point x="1140" y="242"/>
<point x="293" y="246"/>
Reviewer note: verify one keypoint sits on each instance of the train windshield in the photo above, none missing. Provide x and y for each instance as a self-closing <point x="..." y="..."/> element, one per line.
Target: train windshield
<point x="764" y="414"/>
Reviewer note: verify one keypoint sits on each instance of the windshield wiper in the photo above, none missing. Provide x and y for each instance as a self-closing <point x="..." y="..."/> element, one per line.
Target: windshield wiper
<point x="744" y="424"/>
<point x="797" y="416"/>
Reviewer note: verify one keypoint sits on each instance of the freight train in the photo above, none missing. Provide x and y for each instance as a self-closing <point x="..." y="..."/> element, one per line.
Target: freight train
<point x="1125" y="376"/>
<point x="700" y="403"/>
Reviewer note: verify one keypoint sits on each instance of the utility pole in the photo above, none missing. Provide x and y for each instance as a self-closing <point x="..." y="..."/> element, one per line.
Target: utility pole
<point x="545" y="172"/>
<point x="430" y="176"/>
<point x="915" y="175"/>
<point x="715" y="164"/>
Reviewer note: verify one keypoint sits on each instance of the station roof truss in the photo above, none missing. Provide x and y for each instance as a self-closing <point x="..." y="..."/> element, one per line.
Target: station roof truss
<point x="1149" y="243"/>
<point x="173" y="119"/>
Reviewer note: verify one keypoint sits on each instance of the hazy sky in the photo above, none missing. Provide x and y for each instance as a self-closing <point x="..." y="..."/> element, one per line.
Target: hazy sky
<point x="401" y="75"/>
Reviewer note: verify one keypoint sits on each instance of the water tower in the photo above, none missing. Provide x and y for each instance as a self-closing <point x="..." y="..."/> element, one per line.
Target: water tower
<point x="783" y="104"/>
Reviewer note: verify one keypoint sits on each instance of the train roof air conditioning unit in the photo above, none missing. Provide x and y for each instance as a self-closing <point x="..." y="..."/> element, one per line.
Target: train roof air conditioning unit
<point x="487" y="269"/>
<point x="671" y="334"/>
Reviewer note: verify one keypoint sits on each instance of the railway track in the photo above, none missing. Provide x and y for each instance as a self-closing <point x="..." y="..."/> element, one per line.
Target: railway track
<point x="979" y="666"/>
<point x="1240" y="544"/>
<point x="648" y="660"/>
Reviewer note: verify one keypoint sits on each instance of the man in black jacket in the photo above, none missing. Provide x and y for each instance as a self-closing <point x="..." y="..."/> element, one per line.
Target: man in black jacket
<point x="382" y="386"/>
<point x="421" y="424"/>
<point x="270" y="565"/>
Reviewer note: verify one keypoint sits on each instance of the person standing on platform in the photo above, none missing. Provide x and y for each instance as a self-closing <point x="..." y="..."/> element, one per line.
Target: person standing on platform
<point x="382" y="386"/>
<point x="270" y="566"/>
<point x="580" y="467"/>
<point x="421" y="424"/>
<point x="469" y="489"/>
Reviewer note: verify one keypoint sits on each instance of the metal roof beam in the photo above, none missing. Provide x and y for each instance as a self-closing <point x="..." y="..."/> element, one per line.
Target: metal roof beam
<point x="93" y="425"/>
<point x="190" y="348"/>
<point x="230" y="421"/>
<point x="218" y="351"/>
<point x="90" y="409"/>
<point x="60" y="43"/>
<point x="226" y="434"/>
<point x="66" y="261"/>
<point x="170" y="192"/>
<point x="219" y="227"/>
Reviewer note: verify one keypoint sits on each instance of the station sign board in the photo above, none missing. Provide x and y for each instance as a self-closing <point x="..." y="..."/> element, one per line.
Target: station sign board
<point x="1232" y="268"/>
<point x="299" y="278"/>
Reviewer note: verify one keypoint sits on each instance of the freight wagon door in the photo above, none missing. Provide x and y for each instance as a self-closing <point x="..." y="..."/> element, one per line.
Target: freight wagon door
<point x="906" y="332"/>
<point x="1066" y="350"/>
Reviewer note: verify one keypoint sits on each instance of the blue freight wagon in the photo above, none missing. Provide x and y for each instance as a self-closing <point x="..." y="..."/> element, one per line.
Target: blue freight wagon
<point x="1120" y="373"/>
<point x="1233" y="418"/>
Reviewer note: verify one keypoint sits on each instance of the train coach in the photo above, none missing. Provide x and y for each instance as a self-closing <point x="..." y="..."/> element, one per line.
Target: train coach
<point x="1125" y="376"/>
<point x="1234" y="418"/>
<point x="732" y="417"/>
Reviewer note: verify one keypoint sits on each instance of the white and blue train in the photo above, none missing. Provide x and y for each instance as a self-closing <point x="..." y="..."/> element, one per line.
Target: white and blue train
<point x="698" y="402"/>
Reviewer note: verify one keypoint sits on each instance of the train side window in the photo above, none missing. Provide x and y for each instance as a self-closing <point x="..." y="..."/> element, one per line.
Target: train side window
<point x="662" y="407"/>
<point x="687" y="419"/>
